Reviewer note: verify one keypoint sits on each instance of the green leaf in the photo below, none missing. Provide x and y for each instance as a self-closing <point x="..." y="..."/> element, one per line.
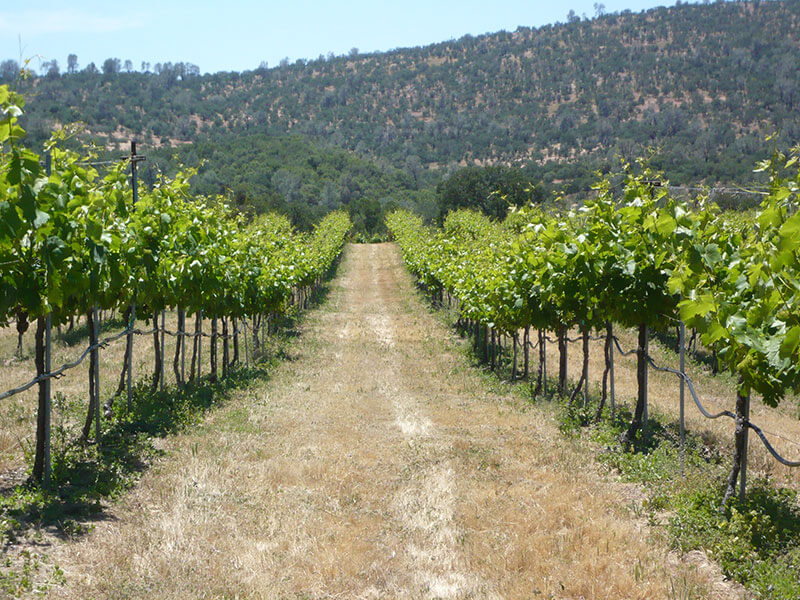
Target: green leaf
<point x="698" y="307"/>
<point x="665" y="224"/>
<point x="10" y="221"/>
<point x="41" y="218"/>
<point x="27" y="203"/>
<point x="769" y="216"/>
<point x="714" y="333"/>
<point x="790" y="342"/>
<point x="94" y="230"/>
<point x="790" y="234"/>
<point x="711" y="255"/>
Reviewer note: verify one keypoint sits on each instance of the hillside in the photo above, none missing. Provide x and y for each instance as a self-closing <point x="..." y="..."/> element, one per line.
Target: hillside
<point x="704" y="83"/>
<point x="295" y="176"/>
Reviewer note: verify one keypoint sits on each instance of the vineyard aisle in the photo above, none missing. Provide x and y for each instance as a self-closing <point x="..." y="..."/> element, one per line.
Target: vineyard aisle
<point x="375" y="463"/>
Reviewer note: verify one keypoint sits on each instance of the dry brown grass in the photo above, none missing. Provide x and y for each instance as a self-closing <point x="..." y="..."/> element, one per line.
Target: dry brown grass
<point x="716" y="393"/>
<point x="375" y="464"/>
<point x="18" y="413"/>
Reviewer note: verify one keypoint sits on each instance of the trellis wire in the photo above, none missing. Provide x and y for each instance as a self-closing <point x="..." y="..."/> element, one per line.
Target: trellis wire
<point x="103" y="344"/>
<point x="688" y="382"/>
<point x="724" y="413"/>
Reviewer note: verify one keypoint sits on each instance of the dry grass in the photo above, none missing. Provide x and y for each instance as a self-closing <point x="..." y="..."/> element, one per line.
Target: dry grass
<point x="716" y="393"/>
<point x="375" y="464"/>
<point x="18" y="413"/>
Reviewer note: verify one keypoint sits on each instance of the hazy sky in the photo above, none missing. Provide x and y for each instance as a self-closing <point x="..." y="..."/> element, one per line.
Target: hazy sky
<point x="240" y="34"/>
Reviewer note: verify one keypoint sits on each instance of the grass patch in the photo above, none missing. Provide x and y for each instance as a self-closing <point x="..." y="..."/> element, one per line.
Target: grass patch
<point x="756" y="542"/>
<point x="16" y="580"/>
<point x="86" y="474"/>
<point x="80" y="333"/>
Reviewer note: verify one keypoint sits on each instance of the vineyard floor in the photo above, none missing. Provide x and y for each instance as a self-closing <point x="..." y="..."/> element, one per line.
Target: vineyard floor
<point x="376" y="462"/>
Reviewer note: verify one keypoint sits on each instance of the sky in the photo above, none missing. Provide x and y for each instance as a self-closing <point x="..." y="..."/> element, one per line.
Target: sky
<point x="238" y="35"/>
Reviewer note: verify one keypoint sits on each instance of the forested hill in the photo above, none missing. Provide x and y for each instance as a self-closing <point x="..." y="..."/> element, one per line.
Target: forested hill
<point x="705" y="83"/>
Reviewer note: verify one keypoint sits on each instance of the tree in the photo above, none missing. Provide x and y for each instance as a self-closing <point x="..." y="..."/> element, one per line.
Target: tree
<point x="288" y="184"/>
<point x="91" y="68"/>
<point x="488" y="189"/>
<point x="414" y="168"/>
<point x="50" y="69"/>
<point x="9" y="69"/>
<point x="111" y="66"/>
<point x="128" y="65"/>
<point x="572" y="17"/>
<point x="72" y="63"/>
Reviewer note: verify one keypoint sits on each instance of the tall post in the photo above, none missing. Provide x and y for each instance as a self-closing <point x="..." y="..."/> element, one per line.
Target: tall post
<point x="544" y="361"/>
<point x="563" y="362"/>
<point x="96" y="375"/>
<point x="235" y="334"/>
<point x="163" y="351"/>
<point x="646" y="349"/>
<point x="586" y="367"/>
<point x="611" y="371"/>
<point x="131" y="325"/>
<point x="743" y="472"/>
<point x="246" y="343"/>
<point x="182" y="341"/>
<point x="681" y="342"/>
<point x="47" y="402"/>
<point x="225" y="346"/>
<point x="48" y="329"/>
<point x="135" y="159"/>
<point x="200" y="345"/>
<point x="526" y="353"/>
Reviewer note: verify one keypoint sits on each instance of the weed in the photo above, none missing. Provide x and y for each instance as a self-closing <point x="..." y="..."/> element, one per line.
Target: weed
<point x="755" y="541"/>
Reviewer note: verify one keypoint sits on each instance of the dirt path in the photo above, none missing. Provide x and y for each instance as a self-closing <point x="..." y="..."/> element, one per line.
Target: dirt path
<point x="375" y="464"/>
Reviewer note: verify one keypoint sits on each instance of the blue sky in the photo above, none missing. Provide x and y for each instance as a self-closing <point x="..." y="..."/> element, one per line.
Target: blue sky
<point x="239" y="34"/>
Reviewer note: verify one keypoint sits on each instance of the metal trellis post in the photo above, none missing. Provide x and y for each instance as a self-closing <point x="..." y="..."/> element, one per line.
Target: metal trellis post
<point x="135" y="159"/>
<point x="611" y="372"/>
<point x="682" y="344"/>
<point x="645" y="413"/>
<point x="743" y="472"/>
<point x="96" y="374"/>
<point x="48" y="162"/>
<point x="163" y="353"/>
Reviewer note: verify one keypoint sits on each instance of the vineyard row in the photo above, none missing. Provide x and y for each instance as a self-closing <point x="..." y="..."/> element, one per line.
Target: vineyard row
<point x="639" y="259"/>
<point x="73" y="242"/>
